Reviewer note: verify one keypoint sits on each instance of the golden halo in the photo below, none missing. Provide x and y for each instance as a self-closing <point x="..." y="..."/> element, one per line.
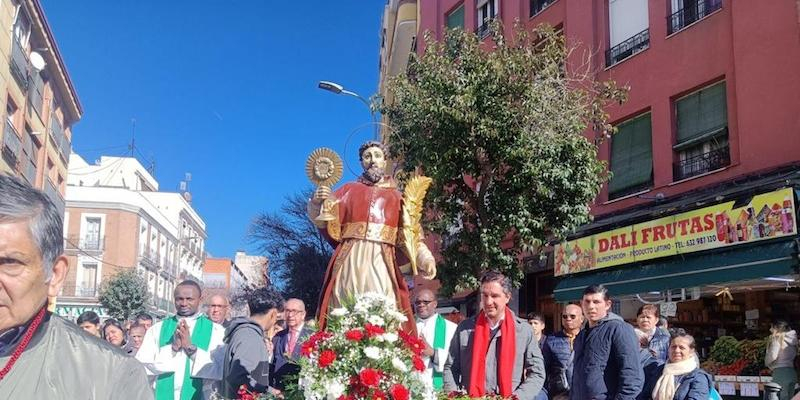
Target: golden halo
<point x="324" y="167"/>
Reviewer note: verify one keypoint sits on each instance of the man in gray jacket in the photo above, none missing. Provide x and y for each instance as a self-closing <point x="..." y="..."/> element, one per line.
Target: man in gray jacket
<point x="246" y="359"/>
<point x="494" y="352"/>
<point x="43" y="356"/>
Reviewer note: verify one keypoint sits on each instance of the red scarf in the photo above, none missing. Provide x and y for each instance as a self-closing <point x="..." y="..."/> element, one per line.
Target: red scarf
<point x="505" y="365"/>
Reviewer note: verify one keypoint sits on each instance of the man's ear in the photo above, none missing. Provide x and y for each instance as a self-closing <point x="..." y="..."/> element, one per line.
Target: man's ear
<point x="57" y="277"/>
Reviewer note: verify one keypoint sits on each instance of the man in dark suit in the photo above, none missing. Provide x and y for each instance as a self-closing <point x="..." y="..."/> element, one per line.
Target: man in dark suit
<point x="287" y="343"/>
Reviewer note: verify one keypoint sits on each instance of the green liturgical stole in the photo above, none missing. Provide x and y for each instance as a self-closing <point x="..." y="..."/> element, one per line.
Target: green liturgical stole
<point x="192" y="389"/>
<point x="438" y="343"/>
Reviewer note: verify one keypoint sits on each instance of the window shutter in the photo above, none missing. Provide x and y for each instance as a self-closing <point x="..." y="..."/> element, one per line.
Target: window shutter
<point x="631" y="155"/>
<point x="702" y="114"/>
<point x="456" y="18"/>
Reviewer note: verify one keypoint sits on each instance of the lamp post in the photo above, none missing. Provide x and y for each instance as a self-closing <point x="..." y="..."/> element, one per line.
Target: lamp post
<point x="336" y="88"/>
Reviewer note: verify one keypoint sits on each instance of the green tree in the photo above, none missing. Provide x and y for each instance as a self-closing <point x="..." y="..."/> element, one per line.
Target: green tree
<point x="500" y="128"/>
<point x="124" y="295"/>
<point x="298" y="254"/>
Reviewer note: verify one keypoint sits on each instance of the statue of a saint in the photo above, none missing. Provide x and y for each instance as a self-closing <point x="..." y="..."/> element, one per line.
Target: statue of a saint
<point x="367" y="232"/>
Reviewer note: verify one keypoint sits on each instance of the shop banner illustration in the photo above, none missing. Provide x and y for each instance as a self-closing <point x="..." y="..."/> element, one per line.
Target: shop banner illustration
<point x="768" y="216"/>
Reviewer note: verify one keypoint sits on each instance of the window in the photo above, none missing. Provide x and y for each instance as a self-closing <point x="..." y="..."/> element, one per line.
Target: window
<point x="702" y="132"/>
<point x="36" y="91"/>
<point x="628" y="29"/>
<point x="538" y="5"/>
<point x="455" y="19"/>
<point x="91" y="238"/>
<point x="88" y="286"/>
<point x="22" y="25"/>
<point x="631" y="161"/>
<point x="687" y="12"/>
<point x="11" y="144"/>
<point x="487" y="11"/>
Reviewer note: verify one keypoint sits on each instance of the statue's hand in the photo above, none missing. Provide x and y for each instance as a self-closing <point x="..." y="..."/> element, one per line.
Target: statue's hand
<point x="425" y="262"/>
<point x="321" y="194"/>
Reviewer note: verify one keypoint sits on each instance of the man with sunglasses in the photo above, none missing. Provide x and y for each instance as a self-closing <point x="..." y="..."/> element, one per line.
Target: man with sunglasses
<point x="558" y="352"/>
<point x="437" y="333"/>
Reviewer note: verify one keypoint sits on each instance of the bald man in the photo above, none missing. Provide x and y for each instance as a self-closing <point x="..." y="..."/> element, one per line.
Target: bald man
<point x="558" y="352"/>
<point x="437" y="333"/>
<point x="217" y="308"/>
<point x="286" y="343"/>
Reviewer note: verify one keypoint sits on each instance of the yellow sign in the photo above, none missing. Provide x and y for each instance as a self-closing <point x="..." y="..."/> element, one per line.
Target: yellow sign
<point x="768" y="216"/>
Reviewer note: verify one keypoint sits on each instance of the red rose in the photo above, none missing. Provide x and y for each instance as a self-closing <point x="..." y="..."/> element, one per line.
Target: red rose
<point x="245" y="394"/>
<point x="373" y="330"/>
<point x="419" y="365"/>
<point x="369" y="377"/>
<point x="326" y="358"/>
<point x="379" y="395"/>
<point x="399" y="392"/>
<point x="354" y="335"/>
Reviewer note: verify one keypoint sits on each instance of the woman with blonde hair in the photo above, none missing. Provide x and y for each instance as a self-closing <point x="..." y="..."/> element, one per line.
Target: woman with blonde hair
<point x="681" y="377"/>
<point x="781" y="351"/>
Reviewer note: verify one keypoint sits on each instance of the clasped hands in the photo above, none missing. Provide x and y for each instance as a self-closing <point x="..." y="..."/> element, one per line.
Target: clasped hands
<point x="182" y="339"/>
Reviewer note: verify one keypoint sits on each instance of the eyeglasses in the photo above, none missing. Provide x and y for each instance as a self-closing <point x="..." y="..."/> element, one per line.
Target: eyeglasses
<point x="292" y="312"/>
<point x="569" y="316"/>
<point x="422" y="302"/>
<point x="217" y="306"/>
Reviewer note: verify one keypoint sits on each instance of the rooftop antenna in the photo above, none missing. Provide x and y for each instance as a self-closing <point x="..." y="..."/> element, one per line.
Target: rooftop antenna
<point x="185" y="187"/>
<point x="132" y="146"/>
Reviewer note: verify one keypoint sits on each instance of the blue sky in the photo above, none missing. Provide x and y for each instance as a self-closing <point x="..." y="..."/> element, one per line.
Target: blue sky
<point x="225" y="90"/>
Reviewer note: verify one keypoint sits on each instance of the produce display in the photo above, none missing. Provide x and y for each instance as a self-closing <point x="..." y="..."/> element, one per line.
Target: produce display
<point x="729" y="356"/>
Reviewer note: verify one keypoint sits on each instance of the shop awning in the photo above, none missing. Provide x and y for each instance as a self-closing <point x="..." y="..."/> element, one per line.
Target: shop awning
<point x="758" y="260"/>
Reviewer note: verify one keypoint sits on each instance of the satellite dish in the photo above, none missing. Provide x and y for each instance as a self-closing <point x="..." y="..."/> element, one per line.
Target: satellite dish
<point x="37" y="61"/>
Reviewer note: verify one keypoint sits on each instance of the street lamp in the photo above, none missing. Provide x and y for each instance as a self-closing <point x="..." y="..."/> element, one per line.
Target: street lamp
<point x="336" y="88"/>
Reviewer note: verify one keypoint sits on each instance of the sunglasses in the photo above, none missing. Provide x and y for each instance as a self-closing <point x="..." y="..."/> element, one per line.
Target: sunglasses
<point x="569" y="316"/>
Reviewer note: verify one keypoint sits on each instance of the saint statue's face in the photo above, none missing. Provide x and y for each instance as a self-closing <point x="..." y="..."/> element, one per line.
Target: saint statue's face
<point x="373" y="162"/>
<point x="373" y="156"/>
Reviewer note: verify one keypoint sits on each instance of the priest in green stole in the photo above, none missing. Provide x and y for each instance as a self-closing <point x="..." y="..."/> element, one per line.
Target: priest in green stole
<point x="183" y="353"/>
<point x="437" y="333"/>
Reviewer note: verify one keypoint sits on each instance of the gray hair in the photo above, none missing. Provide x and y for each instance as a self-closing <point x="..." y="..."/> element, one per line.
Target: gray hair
<point x="21" y="202"/>
<point x="502" y="280"/>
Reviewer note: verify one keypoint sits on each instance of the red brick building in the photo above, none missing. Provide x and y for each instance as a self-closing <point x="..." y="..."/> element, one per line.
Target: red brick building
<point x="712" y="117"/>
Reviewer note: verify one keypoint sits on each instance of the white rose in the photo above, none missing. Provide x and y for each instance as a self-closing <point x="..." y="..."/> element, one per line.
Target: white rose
<point x="399" y="365"/>
<point x="334" y="389"/>
<point x="372" y="352"/>
<point x="390" y="337"/>
<point x="339" y="312"/>
<point x="376" y="320"/>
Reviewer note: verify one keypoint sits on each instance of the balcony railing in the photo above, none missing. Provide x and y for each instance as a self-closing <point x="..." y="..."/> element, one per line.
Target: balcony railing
<point x="689" y="15"/>
<point x="11" y="144"/>
<point x="629" y="47"/>
<point x="149" y="258"/>
<point x="60" y="137"/>
<point x="19" y="64"/>
<point x="36" y="92"/>
<point x="700" y="164"/>
<point x="85" y="243"/>
<point x="54" y="195"/>
<point x="29" y="170"/>
<point x="86" y="291"/>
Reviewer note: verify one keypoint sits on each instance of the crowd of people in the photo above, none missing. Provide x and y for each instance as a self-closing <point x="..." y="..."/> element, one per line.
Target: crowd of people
<point x="199" y="355"/>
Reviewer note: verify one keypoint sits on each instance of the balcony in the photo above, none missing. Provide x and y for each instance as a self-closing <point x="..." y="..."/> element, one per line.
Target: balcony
<point x="85" y="243"/>
<point x="60" y="137"/>
<point x="86" y="291"/>
<point x="485" y="28"/>
<point x="706" y="162"/>
<point x="689" y="15"/>
<point x="11" y="144"/>
<point x="149" y="258"/>
<point x="19" y="64"/>
<point x="629" y="47"/>
<point x="28" y="170"/>
<point x="54" y="195"/>
<point x="36" y="92"/>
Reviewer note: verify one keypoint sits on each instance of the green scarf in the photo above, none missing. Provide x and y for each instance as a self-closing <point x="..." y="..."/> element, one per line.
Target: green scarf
<point x="438" y="343"/>
<point x="192" y="389"/>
